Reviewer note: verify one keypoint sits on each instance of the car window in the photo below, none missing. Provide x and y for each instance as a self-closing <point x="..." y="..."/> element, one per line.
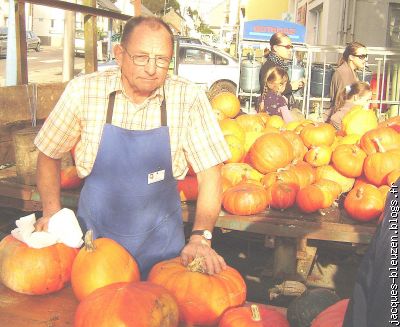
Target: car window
<point x="195" y="56"/>
<point x="219" y="60"/>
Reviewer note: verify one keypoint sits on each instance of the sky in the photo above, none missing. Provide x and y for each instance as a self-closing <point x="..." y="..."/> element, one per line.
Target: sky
<point x="200" y="5"/>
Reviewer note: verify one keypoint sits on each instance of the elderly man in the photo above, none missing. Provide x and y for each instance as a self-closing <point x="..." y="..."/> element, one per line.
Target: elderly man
<point x="136" y="129"/>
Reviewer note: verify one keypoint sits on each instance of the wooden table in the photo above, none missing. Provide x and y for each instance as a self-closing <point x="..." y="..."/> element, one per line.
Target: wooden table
<point x="51" y="310"/>
<point x="330" y="225"/>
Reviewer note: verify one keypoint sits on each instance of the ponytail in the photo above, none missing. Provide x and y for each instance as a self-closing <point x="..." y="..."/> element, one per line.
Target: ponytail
<point x="357" y="88"/>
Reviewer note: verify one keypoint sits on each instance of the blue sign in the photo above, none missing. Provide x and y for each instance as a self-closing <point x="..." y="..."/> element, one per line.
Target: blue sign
<point x="262" y="30"/>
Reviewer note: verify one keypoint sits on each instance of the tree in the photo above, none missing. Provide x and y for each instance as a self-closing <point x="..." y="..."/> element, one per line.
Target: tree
<point x="157" y="6"/>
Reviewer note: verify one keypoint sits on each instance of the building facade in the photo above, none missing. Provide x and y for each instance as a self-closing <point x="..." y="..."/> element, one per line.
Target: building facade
<point x="337" y="22"/>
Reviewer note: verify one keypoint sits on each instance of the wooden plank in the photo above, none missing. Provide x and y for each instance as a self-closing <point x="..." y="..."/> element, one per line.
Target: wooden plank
<point x="20" y="310"/>
<point x="272" y="222"/>
<point x="15" y="102"/>
<point x="22" y="56"/>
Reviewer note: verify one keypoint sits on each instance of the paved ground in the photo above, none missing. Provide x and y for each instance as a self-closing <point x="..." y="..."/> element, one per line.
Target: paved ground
<point x="44" y="66"/>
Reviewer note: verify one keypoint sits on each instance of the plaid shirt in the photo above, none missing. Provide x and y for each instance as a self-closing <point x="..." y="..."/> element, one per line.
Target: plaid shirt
<point x="80" y="115"/>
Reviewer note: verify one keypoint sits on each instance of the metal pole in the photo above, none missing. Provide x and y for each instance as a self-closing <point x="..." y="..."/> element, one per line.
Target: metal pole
<point x="68" y="51"/>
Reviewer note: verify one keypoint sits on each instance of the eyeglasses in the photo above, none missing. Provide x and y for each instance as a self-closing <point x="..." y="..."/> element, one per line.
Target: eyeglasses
<point x="287" y="46"/>
<point x="362" y="56"/>
<point x="143" y="60"/>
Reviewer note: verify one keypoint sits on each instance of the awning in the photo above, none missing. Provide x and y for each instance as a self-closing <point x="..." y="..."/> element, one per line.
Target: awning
<point x="107" y="5"/>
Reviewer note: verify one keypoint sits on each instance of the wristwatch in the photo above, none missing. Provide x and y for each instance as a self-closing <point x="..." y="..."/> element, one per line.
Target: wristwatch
<point x="203" y="232"/>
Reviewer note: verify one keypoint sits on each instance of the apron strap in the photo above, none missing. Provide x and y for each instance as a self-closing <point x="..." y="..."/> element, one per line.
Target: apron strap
<point x="163" y="110"/>
<point x="110" y="109"/>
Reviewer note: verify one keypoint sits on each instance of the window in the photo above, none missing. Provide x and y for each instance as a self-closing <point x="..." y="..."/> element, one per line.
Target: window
<point x="195" y="56"/>
<point x="393" y="38"/>
<point x="219" y="60"/>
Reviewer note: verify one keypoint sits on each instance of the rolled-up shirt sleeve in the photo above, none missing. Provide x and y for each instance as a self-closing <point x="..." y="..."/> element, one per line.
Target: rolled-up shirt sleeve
<point x="60" y="130"/>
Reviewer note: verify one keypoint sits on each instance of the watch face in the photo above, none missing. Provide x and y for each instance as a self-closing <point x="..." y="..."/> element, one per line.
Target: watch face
<point x="207" y="235"/>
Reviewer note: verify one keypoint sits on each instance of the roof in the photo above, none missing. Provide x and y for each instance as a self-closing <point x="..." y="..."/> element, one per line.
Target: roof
<point x="108" y="5"/>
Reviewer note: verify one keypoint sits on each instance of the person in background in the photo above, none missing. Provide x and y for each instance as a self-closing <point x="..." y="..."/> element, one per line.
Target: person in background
<point x="358" y="93"/>
<point x="375" y="298"/>
<point x="354" y="57"/>
<point x="274" y="102"/>
<point x="279" y="56"/>
<point x="136" y="129"/>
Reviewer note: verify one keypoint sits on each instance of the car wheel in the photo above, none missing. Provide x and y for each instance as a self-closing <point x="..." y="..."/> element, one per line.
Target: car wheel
<point x="219" y="87"/>
<point x="37" y="49"/>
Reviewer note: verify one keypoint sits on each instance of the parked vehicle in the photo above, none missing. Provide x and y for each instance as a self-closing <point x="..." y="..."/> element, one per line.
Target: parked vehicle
<point x="213" y="68"/>
<point x="32" y="41"/>
<point x="216" y="70"/>
<point x="79" y="43"/>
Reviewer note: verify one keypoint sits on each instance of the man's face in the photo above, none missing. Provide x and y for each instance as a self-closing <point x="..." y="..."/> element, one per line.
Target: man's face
<point x="284" y="49"/>
<point x="139" y="76"/>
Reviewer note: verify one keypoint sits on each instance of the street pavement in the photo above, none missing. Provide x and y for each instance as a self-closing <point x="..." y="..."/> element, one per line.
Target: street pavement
<point x="44" y="66"/>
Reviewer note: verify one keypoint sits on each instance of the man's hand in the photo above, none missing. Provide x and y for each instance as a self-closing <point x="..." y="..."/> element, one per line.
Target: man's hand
<point x="199" y="247"/>
<point x="298" y="84"/>
<point x="42" y="224"/>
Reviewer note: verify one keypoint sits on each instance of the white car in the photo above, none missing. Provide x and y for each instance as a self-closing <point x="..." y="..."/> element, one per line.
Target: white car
<point x="216" y="70"/>
<point x="213" y="68"/>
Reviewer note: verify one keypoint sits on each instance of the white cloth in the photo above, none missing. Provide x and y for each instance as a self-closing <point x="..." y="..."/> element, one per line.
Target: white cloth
<point x="63" y="228"/>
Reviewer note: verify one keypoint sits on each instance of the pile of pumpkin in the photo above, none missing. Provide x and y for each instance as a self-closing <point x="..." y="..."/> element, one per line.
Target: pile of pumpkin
<point x="304" y="163"/>
<point x="106" y="281"/>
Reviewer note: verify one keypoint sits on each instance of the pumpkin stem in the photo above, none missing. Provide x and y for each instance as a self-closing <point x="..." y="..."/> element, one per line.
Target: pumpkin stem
<point x="89" y="244"/>
<point x="197" y="265"/>
<point x="360" y="192"/>
<point x="255" y="313"/>
<point x="378" y="143"/>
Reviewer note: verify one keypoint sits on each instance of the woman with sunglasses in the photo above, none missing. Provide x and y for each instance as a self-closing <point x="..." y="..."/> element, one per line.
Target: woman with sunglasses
<point x="354" y="57"/>
<point x="279" y="56"/>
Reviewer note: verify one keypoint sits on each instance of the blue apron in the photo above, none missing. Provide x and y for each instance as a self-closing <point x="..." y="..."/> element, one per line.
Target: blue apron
<point x="131" y="195"/>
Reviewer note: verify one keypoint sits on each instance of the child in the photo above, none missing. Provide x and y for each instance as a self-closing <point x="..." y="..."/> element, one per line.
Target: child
<point x="358" y="93"/>
<point x="272" y="100"/>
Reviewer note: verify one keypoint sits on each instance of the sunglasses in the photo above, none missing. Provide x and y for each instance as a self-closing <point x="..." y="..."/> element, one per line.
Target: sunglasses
<point x="287" y="46"/>
<point x="363" y="56"/>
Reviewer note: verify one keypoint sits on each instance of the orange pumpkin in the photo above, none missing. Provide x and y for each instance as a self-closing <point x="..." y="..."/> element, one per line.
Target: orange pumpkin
<point x="250" y="123"/>
<point x="329" y="172"/>
<point x="310" y="199"/>
<point x="202" y="298"/>
<point x="236" y="147"/>
<point x="275" y="121"/>
<point x="348" y="160"/>
<point x="282" y="175"/>
<point x="378" y="166"/>
<point x="255" y="315"/>
<point x="384" y="189"/>
<point x="227" y="103"/>
<point x="282" y="195"/>
<point x="393" y="122"/>
<point x="299" y="149"/>
<point x="333" y="316"/>
<point x="99" y="263"/>
<point x="188" y="188"/>
<point x="318" y="155"/>
<point x="364" y="203"/>
<point x="393" y="177"/>
<point x="139" y="304"/>
<point x="69" y="178"/>
<point x="330" y="186"/>
<point x="305" y="173"/>
<point x="231" y="127"/>
<point x="264" y="116"/>
<point x="237" y="172"/>
<point x="270" y="152"/>
<point x="245" y="199"/>
<point x="317" y="134"/>
<point x="388" y="138"/>
<point x="35" y="271"/>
